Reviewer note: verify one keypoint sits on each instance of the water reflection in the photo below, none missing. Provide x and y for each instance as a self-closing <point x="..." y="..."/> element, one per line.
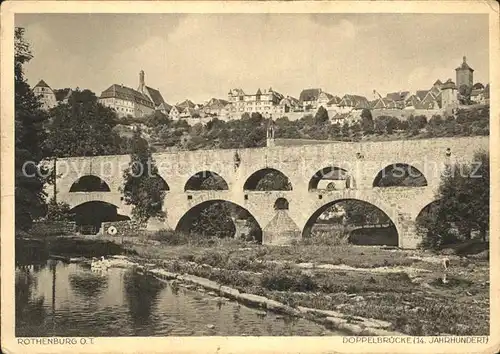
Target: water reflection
<point x="141" y="295"/>
<point x="57" y="299"/>
<point x="30" y="308"/>
<point x="88" y="285"/>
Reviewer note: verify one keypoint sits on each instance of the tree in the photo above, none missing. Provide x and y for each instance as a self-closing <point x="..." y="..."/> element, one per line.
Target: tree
<point x="463" y="205"/>
<point x="29" y="136"/>
<point x="366" y="121"/>
<point x="361" y="213"/>
<point x="415" y="123"/>
<point x="464" y="92"/>
<point x="82" y="127"/>
<point x="214" y="220"/>
<point x="321" y="116"/>
<point x="58" y="211"/>
<point x="274" y="181"/>
<point x="143" y="186"/>
<point x="345" y="130"/>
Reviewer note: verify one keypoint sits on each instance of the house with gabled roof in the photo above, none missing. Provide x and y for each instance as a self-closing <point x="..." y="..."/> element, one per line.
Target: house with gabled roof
<point x="137" y="103"/>
<point x="264" y="101"/>
<point x="354" y="102"/>
<point x="164" y="108"/>
<point x="384" y="103"/>
<point x="412" y="102"/>
<point x="430" y="101"/>
<point x="186" y="104"/>
<point x="309" y="97"/>
<point x="45" y="95"/>
<point x="175" y="113"/>
<point x="324" y="98"/>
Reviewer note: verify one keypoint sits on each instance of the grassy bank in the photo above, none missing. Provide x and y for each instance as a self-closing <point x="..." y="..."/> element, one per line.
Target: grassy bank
<point x="402" y="287"/>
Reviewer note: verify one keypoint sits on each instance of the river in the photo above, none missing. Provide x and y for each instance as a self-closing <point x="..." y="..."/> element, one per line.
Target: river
<point x="58" y="299"/>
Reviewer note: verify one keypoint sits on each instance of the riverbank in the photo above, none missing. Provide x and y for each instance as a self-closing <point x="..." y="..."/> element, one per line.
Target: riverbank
<point x="403" y="288"/>
<point x="358" y="289"/>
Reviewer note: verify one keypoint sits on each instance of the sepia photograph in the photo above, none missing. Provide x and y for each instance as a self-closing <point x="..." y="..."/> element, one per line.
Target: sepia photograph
<point x="249" y="172"/>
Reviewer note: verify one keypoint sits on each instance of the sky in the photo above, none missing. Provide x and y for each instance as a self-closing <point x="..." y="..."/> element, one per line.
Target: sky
<point x="200" y="56"/>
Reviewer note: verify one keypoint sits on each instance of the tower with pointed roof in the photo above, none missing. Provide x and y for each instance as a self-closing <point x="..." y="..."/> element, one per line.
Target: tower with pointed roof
<point x="465" y="74"/>
<point x="448" y="94"/>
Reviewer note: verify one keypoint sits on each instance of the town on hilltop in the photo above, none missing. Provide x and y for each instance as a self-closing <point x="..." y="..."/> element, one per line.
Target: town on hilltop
<point x="442" y="98"/>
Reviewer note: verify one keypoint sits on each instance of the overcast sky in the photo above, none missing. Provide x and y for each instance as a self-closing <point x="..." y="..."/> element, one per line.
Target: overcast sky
<point x="199" y="56"/>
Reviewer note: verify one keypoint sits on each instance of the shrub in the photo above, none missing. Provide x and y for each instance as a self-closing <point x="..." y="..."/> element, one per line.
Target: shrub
<point x="287" y="280"/>
<point x="170" y="237"/>
<point x="214" y="258"/>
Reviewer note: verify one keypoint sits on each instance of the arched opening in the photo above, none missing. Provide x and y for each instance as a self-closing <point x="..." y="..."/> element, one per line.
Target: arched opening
<point x="89" y="183"/>
<point x="268" y="179"/>
<point x="89" y="216"/>
<point x="221" y="219"/>
<point x="206" y="180"/>
<point x="162" y="185"/>
<point x="331" y="178"/>
<point x="351" y="221"/>
<point x="400" y="175"/>
<point x="281" y="204"/>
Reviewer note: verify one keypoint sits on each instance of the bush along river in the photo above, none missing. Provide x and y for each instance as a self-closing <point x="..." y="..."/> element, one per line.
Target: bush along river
<point x="60" y="296"/>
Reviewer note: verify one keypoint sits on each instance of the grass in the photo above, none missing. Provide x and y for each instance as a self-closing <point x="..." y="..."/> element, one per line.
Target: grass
<point x="424" y="307"/>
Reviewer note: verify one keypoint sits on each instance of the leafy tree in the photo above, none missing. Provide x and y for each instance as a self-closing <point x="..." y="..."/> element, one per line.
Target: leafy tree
<point x="82" y="127"/>
<point x="334" y="130"/>
<point x="464" y="93"/>
<point x="356" y="129"/>
<point x="214" y="220"/>
<point x="157" y="119"/>
<point x="58" y="211"/>
<point x="29" y="136"/>
<point x="367" y="121"/>
<point x="143" y="186"/>
<point x="321" y="116"/>
<point x="463" y="205"/>
<point x="345" y="130"/>
<point x="274" y="181"/>
<point x="415" y="123"/>
<point x="362" y="213"/>
<point x="392" y="124"/>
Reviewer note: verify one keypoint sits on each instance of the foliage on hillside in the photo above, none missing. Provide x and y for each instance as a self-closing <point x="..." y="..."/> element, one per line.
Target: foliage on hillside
<point x="250" y="130"/>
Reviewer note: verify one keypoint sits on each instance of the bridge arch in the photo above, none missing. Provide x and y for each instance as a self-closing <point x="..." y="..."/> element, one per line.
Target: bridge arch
<point x="206" y="180"/>
<point x="383" y="219"/>
<point x="400" y="175"/>
<point x="89" y="183"/>
<point x="235" y="220"/>
<point x="331" y="178"/>
<point x="268" y="179"/>
<point x="281" y="204"/>
<point x="90" y="215"/>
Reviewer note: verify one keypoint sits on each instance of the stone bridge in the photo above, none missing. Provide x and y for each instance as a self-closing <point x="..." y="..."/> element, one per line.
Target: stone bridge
<point x="362" y="162"/>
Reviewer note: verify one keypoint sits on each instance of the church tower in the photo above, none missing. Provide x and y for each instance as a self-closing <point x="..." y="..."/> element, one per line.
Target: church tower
<point x="464" y="74"/>
<point x="142" y="83"/>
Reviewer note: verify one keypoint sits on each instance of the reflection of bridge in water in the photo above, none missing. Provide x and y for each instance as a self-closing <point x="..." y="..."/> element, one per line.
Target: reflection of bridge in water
<point x="363" y="169"/>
